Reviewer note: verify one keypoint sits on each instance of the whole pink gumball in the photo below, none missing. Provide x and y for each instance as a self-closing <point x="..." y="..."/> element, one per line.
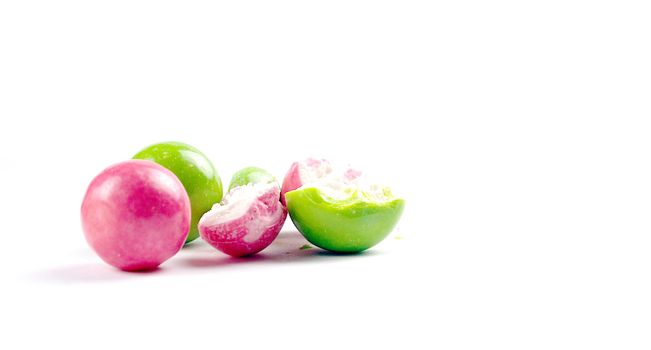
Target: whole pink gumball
<point x="135" y="215"/>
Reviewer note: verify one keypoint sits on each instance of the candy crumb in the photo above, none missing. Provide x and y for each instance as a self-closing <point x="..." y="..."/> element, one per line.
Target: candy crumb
<point x="305" y="246"/>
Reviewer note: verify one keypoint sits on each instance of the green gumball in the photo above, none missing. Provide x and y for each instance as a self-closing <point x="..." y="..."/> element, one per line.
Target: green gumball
<point x="196" y="172"/>
<point x="250" y="175"/>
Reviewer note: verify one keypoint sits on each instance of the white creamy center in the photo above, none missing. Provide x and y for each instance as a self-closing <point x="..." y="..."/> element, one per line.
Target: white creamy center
<point x="235" y="204"/>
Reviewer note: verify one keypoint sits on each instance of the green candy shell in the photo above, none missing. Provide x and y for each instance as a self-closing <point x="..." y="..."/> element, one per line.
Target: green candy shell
<point x="345" y="226"/>
<point x="250" y="175"/>
<point x="196" y="173"/>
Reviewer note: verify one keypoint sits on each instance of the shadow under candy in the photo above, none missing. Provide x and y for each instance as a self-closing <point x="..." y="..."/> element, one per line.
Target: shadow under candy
<point x="288" y="247"/>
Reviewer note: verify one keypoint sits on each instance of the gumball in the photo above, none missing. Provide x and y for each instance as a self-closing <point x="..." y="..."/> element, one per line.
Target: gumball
<point x="196" y="172"/>
<point x="250" y="175"/>
<point x="136" y="215"/>
<point x="247" y="220"/>
<point x="340" y="212"/>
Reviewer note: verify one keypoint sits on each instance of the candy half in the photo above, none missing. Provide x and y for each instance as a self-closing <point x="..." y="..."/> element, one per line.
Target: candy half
<point x="339" y="211"/>
<point x="247" y="220"/>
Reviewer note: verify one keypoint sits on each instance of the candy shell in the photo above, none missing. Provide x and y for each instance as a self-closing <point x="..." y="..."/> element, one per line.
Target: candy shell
<point x="339" y="210"/>
<point x="196" y="172"/>
<point x="136" y="215"/>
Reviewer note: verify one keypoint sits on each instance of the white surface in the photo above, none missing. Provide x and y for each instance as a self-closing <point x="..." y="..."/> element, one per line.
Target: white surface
<point x="517" y="131"/>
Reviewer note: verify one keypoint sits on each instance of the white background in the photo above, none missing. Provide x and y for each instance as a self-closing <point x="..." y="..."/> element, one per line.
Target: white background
<point x="517" y="131"/>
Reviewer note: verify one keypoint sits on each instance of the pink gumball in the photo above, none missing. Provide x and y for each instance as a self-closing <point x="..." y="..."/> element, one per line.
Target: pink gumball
<point x="247" y="220"/>
<point x="136" y="215"/>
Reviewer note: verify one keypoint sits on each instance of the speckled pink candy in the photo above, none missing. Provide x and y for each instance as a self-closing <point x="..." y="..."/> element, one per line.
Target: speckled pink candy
<point x="136" y="215"/>
<point x="291" y="182"/>
<point x="233" y="237"/>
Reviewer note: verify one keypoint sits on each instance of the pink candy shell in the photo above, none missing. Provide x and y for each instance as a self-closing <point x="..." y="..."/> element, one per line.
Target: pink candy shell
<point x="291" y="182"/>
<point x="241" y="236"/>
<point x="136" y="215"/>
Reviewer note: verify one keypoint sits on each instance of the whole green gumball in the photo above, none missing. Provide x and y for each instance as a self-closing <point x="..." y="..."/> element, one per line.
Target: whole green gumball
<point x="196" y="172"/>
<point x="250" y="175"/>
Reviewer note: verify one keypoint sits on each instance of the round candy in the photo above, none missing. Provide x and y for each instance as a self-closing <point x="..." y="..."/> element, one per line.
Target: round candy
<point x="250" y="175"/>
<point x="195" y="171"/>
<point x="338" y="211"/>
<point x="136" y="215"/>
<point x="246" y="221"/>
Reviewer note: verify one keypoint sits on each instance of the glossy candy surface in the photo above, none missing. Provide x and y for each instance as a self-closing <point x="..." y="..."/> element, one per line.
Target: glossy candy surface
<point x="250" y="175"/>
<point x="136" y="215"/>
<point x="196" y="172"/>
<point x="345" y="225"/>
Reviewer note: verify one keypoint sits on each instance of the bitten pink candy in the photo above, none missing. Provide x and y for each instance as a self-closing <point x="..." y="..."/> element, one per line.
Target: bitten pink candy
<point x="136" y="215"/>
<point x="246" y="221"/>
<point x="310" y="170"/>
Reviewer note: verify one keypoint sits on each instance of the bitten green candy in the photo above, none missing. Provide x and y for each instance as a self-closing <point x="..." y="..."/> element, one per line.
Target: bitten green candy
<point x="250" y="175"/>
<point x="350" y="224"/>
<point x="196" y="172"/>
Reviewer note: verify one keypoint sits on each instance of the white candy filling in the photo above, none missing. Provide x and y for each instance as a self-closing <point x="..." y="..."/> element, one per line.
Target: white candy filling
<point x="235" y="204"/>
<point x="256" y="228"/>
<point x="311" y="170"/>
<point x="335" y="185"/>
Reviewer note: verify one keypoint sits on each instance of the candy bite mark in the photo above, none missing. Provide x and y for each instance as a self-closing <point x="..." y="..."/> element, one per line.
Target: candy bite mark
<point x="246" y="221"/>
